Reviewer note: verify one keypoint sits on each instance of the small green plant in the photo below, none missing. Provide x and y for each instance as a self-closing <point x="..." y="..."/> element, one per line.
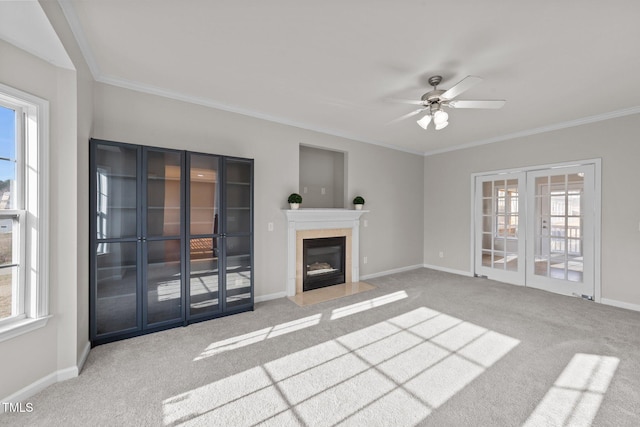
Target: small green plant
<point x="294" y="198"/>
<point x="358" y="200"/>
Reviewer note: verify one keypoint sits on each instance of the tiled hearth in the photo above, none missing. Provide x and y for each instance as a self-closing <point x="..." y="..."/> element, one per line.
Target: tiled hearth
<point x="318" y="223"/>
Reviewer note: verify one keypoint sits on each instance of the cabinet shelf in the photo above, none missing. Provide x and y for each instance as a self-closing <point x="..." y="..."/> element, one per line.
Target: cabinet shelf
<point x="119" y="176"/>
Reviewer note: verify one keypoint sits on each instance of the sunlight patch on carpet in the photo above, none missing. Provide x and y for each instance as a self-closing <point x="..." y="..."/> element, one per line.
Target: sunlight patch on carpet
<point x="575" y="398"/>
<point x="395" y="372"/>
<point x="295" y="325"/>
<point x="367" y="305"/>
<point x="260" y="335"/>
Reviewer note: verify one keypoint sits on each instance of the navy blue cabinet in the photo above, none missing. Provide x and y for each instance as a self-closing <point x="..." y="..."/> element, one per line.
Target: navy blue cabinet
<point x="171" y="238"/>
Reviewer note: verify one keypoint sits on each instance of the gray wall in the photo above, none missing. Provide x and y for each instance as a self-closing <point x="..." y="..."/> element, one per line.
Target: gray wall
<point x="321" y="169"/>
<point x="35" y="355"/>
<point x="84" y="123"/>
<point x="393" y="238"/>
<point x="448" y="194"/>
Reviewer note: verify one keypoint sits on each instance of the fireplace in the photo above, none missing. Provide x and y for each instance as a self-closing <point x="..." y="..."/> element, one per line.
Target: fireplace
<point x="324" y="262"/>
<point x="307" y="224"/>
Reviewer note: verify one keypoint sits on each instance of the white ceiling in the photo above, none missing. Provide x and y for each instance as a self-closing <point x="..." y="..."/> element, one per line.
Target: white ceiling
<point x="334" y="66"/>
<point x="24" y="24"/>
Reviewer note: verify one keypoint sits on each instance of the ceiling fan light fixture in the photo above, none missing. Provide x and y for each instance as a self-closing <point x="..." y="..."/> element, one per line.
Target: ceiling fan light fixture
<point x="424" y="122"/>
<point x="440" y="117"/>
<point x="441" y="125"/>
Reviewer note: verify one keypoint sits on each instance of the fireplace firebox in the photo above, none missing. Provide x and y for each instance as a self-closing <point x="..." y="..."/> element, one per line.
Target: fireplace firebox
<point x="324" y="262"/>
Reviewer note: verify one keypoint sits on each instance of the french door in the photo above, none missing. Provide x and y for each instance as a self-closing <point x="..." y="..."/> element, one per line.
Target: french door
<point x="560" y="236"/>
<point x="537" y="229"/>
<point x="500" y="228"/>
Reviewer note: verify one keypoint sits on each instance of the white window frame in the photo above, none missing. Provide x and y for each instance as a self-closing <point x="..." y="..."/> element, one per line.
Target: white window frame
<point x="32" y="170"/>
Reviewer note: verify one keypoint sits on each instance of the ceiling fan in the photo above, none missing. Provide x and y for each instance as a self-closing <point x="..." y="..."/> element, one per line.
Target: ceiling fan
<point x="434" y="101"/>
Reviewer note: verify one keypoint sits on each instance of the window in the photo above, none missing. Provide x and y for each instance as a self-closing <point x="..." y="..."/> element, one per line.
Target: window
<point x="23" y="213"/>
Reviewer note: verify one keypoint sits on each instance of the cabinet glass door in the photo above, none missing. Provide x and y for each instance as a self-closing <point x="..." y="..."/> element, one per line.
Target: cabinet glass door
<point x="204" y="196"/>
<point x="238" y="223"/>
<point x="162" y="236"/>
<point x="115" y="295"/>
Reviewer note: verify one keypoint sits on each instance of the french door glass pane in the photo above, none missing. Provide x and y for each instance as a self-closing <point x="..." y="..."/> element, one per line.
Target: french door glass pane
<point x="204" y="276"/>
<point x="238" y="191"/>
<point x="204" y="194"/>
<point x="116" y="297"/>
<point x="238" y="271"/>
<point x="116" y="191"/>
<point x="164" y="284"/>
<point x="559" y="218"/>
<point x="163" y="193"/>
<point x="500" y="218"/>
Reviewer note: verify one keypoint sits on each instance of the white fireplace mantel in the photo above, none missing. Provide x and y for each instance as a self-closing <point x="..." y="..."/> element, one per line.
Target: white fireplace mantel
<point x="321" y="219"/>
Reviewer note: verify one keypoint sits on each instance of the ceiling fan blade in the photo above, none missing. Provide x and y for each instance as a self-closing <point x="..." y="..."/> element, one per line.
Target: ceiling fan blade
<point x="460" y="103"/>
<point x="405" y="101"/>
<point x="406" y="116"/>
<point x="463" y="85"/>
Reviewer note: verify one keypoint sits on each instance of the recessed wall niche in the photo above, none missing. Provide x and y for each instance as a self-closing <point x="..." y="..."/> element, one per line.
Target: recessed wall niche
<point x="322" y="178"/>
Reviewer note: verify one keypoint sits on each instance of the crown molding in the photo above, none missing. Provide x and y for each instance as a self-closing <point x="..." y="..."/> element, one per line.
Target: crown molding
<point x="207" y="102"/>
<point x="542" y="129"/>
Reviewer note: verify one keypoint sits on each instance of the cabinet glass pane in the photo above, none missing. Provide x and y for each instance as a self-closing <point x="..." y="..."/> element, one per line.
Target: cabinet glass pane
<point x="238" y="221"/>
<point x="204" y="194"/>
<point x="116" y="276"/>
<point x="164" y="284"/>
<point x="238" y="192"/>
<point x="116" y="191"/>
<point x="204" y="276"/>
<point x="238" y="272"/>
<point x="164" y="193"/>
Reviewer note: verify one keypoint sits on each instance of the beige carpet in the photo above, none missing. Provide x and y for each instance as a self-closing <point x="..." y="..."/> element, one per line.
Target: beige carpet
<point x="422" y="348"/>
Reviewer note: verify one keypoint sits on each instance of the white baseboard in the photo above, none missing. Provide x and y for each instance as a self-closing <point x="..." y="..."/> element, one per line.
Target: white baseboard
<point x="44" y="382"/>
<point x="620" y="304"/>
<point x="392" y="271"/>
<point x="268" y="297"/>
<point x="83" y="356"/>
<point x="31" y="389"/>
<point x="448" y="270"/>
<point x="41" y="384"/>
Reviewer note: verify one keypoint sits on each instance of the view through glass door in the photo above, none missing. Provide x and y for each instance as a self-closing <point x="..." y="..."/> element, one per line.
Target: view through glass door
<point x="561" y="232"/>
<point x="537" y="228"/>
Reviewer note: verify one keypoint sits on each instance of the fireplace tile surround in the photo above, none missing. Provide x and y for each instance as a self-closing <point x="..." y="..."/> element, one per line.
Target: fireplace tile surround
<point x="316" y="223"/>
